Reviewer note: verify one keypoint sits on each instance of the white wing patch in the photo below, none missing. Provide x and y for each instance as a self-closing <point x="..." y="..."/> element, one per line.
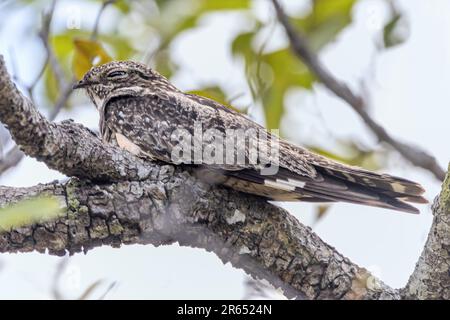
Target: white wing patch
<point x="126" y="144"/>
<point x="297" y="183"/>
<point x="288" y="185"/>
<point x="279" y="184"/>
<point x="398" y="187"/>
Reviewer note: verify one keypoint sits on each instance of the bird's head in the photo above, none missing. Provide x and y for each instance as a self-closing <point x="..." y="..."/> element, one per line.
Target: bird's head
<point x="121" y="78"/>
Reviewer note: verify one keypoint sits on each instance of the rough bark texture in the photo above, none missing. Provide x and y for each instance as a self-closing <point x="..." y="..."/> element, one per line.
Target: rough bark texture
<point x="133" y="201"/>
<point x="67" y="147"/>
<point x="250" y="233"/>
<point x="431" y="277"/>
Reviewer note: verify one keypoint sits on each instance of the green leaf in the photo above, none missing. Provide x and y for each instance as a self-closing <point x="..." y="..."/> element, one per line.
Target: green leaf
<point x="52" y="87"/>
<point x="163" y="63"/>
<point x="270" y="75"/>
<point x="353" y="154"/>
<point x="208" y="5"/>
<point x="326" y="20"/>
<point x="28" y="212"/>
<point x="391" y="35"/>
<point x="63" y="48"/>
<point x="242" y="45"/>
<point x="214" y="93"/>
<point x="121" y="47"/>
<point x="170" y="25"/>
<point x="123" y="5"/>
<point x="288" y="72"/>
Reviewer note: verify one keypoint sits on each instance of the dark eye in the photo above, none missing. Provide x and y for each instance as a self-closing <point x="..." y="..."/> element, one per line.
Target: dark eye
<point x="116" y="74"/>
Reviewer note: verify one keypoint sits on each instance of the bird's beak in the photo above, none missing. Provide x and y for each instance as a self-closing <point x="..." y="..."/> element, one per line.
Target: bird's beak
<point x="81" y="84"/>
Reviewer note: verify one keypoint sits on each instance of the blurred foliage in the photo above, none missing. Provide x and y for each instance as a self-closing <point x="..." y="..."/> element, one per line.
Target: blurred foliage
<point x="213" y="92"/>
<point x="145" y="30"/>
<point x="28" y="212"/>
<point x="217" y="94"/>
<point x="150" y="29"/>
<point x="88" y="53"/>
<point x="396" y="30"/>
<point x="178" y="16"/>
<point x="271" y="74"/>
<point x="325" y="21"/>
<point x="353" y="154"/>
<point x="320" y="212"/>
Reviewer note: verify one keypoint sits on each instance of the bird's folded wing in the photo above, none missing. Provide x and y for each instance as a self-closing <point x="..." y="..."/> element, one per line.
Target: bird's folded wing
<point x="150" y="121"/>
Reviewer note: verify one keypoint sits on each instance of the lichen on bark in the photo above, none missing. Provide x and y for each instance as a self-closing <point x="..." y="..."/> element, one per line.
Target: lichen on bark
<point x="114" y="198"/>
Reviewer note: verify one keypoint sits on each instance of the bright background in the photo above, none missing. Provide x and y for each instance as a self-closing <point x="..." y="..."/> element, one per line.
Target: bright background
<point x="409" y="94"/>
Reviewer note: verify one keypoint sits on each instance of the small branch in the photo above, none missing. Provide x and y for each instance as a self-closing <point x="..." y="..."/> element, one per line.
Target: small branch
<point x="431" y="277"/>
<point x="300" y="47"/>
<point x="105" y="4"/>
<point x="11" y="159"/>
<point x="14" y="156"/>
<point x="52" y="59"/>
<point x="64" y="96"/>
<point x="67" y="147"/>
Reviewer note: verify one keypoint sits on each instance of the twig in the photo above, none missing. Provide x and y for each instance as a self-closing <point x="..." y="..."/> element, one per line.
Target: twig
<point x="14" y="155"/>
<point x="44" y="35"/>
<point x="11" y="159"/>
<point x="105" y="4"/>
<point x="62" y="99"/>
<point x="60" y="268"/>
<point x="300" y="47"/>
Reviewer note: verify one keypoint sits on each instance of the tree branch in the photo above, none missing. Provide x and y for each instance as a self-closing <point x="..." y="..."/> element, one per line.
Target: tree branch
<point x="300" y="47"/>
<point x="67" y="147"/>
<point x="14" y="155"/>
<point x="431" y="277"/>
<point x="104" y="5"/>
<point x="252" y="234"/>
<point x="134" y="201"/>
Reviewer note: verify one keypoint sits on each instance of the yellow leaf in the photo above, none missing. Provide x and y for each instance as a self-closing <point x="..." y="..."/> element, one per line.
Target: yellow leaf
<point x="28" y="212"/>
<point x="88" y="53"/>
<point x="321" y="211"/>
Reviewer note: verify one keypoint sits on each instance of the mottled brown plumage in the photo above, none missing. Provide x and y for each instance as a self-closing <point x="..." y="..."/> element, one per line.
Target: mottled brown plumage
<point x="140" y="109"/>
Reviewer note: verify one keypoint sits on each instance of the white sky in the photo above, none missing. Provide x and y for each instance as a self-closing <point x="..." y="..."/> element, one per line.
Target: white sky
<point x="409" y="95"/>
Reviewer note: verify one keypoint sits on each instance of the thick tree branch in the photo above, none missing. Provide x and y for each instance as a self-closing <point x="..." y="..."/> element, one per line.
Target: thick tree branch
<point x="300" y="47"/>
<point x="67" y="147"/>
<point x="431" y="277"/>
<point x="252" y="234"/>
<point x="14" y="155"/>
<point x="134" y="201"/>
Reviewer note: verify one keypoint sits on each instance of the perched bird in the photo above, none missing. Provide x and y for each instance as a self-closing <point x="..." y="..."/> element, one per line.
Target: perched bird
<point x="140" y="110"/>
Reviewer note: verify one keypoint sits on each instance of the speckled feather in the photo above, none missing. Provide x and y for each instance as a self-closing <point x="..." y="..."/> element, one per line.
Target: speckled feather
<point x="140" y="109"/>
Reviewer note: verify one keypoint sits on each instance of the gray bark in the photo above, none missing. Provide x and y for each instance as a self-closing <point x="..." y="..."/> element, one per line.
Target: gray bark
<point x="116" y="198"/>
<point x="431" y="277"/>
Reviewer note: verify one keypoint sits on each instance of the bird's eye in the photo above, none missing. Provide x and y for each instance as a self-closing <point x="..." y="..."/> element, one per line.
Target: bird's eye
<point x="116" y="74"/>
